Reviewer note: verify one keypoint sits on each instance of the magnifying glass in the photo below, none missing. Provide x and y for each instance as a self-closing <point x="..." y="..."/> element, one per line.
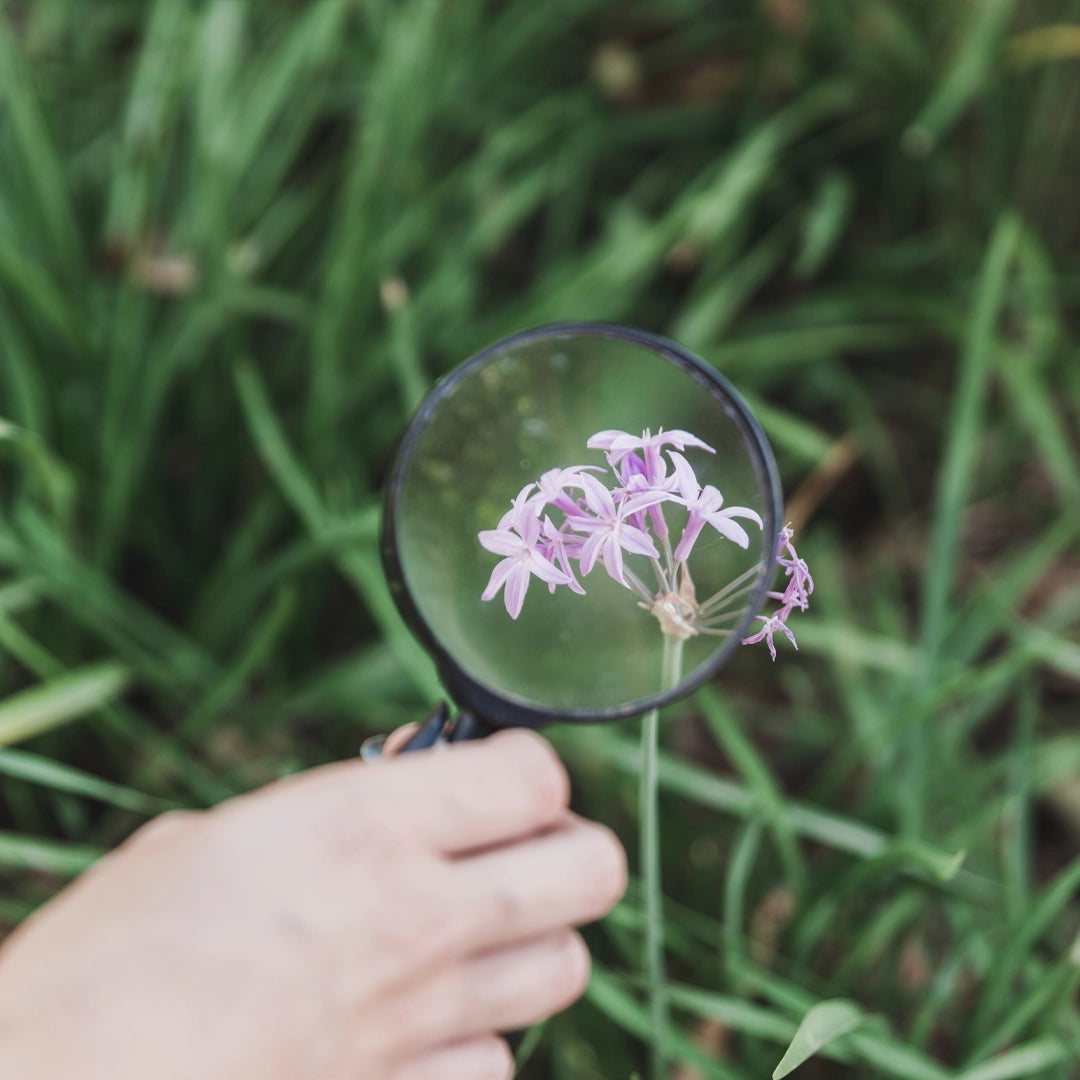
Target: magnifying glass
<point x="580" y="526"/>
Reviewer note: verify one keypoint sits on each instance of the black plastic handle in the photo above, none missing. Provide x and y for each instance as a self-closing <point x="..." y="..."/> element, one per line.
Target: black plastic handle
<point x="439" y="728"/>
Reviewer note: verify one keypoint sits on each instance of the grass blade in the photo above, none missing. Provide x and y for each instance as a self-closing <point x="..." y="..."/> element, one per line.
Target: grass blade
<point x="823" y="1024"/>
<point x="978" y="53"/>
<point x="1026" y="1060"/>
<point x="621" y="1008"/>
<point x="759" y="779"/>
<point x="20" y="852"/>
<point x="965" y="421"/>
<point x="62" y="699"/>
<point x="35" y="769"/>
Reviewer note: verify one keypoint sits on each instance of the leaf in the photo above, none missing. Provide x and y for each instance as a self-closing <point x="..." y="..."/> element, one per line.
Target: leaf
<point x="52" y="475"/>
<point x="60" y="700"/>
<point x="759" y="778"/>
<point x="48" y="856"/>
<point x="717" y="792"/>
<point x="960" y="461"/>
<point x="875" y="1048"/>
<point x="359" y="566"/>
<point x="820" y="1026"/>
<point x="1025" y="1060"/>
<point x="622" y="1009"/>
<point x="36" y="769"/>
<point x="977" y="58"/>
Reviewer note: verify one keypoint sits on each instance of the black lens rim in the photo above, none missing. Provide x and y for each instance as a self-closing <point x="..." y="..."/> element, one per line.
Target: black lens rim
<point x="466" y="691"/>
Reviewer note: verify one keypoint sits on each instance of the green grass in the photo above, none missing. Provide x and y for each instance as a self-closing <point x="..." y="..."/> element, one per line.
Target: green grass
<point x="238" y="241"/>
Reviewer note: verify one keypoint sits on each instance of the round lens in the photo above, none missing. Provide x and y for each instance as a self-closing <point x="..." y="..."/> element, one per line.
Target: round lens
<point x="580" y="524"/>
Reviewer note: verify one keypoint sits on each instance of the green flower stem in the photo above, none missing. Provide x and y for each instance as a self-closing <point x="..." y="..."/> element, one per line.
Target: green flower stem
<point x="649" y="817"/>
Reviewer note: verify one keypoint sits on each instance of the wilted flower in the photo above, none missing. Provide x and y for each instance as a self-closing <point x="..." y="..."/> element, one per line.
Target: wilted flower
<point x="796" y="595"/>
<point x="770" y="625"/>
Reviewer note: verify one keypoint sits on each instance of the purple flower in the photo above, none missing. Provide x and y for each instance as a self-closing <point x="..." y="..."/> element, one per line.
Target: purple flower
<point x="552" y="485"/>
<point x="582" y="514"/>
<point x="771" y="624"/>
<point x="800" y="584"/>
<point x="609" y="533"/>
<point x="631" y="471"/>
<point x="559" y="547"/>
<point x="796" y="595"/>
<point x="704" y="504"/>
<point x="518" y="542"/>
<point x="522" y="507"/>
<point x="618" y="444"/>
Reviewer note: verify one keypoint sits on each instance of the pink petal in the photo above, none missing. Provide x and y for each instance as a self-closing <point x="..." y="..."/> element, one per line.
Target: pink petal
<point x="631" y="468"/>
<point x="683" y="439"/>
<point x="604" y="440"/>
<point x="637" y="542"/>
<point x="636" y="503"/>
<point x="726" y="527"/>
<point x="710" y="500"/>
<point x="659" y="522"/>
<point x="745" y="512"/>
<point x="500" y="541"/>
<point x="597" y="497"/>
<point x="685" y="478"/>
<point x="522" y="507"/>
<point x="613" y="560"/>
<point x="529" y="525"/>
<point x="589" y="552"/>
<point x="498" y="576"/>
<point x="517" y="584"/>
<point x="617" y="444"/>
<point x="545" y="570"/>
<point x="694" y="525"/>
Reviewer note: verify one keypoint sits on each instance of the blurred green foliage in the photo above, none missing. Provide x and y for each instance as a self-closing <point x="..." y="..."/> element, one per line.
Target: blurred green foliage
<point x="238" y="241"/>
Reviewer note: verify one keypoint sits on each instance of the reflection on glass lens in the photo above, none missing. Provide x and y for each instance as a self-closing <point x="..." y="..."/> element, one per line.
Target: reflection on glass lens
<point x="645" y="536"/>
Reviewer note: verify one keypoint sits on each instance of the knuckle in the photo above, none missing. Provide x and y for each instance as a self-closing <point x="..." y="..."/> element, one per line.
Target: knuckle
<point x="419" y="935"/>
<point x="540" y="769"/>
<point x="508" y="903"/>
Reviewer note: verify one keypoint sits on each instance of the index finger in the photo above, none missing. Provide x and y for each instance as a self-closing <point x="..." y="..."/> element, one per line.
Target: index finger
<point x="480" y="794"/>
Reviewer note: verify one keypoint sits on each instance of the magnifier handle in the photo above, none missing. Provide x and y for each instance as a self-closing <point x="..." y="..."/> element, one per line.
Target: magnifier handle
<point x="438" y="728"/>
<point x="431" y="731"/>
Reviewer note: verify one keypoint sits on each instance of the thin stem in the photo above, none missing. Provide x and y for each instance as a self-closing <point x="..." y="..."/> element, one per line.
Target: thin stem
<point x="637" y="584"/>
<point x="661" y="577"/>
<point x="669" y="555"/>
<point x="722" y="616"/>
<point x="671" y="672"/>
<point x="730" y="597"/>
<point x="711" y="624"/>
<point x="720" y="594"/>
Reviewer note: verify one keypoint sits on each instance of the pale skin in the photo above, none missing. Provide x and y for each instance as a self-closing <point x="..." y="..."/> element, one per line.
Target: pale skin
<point x="350" y="923"/>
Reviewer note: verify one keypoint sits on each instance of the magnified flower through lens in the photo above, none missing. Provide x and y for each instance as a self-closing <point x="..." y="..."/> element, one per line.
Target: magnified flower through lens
<point x="591" y="516"/>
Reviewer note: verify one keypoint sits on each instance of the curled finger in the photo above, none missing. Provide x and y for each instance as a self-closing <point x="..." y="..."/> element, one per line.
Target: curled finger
<point x="568" y="876"/>
<point x="484" y="1058"/>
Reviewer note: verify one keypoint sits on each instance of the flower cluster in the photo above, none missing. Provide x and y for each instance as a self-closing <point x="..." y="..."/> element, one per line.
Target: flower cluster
<point x="796" y="594"/>
<point x="561" y="526"/>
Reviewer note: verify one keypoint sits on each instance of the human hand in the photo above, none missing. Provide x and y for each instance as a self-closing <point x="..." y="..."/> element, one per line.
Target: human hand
<point x="348" y="923"/>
